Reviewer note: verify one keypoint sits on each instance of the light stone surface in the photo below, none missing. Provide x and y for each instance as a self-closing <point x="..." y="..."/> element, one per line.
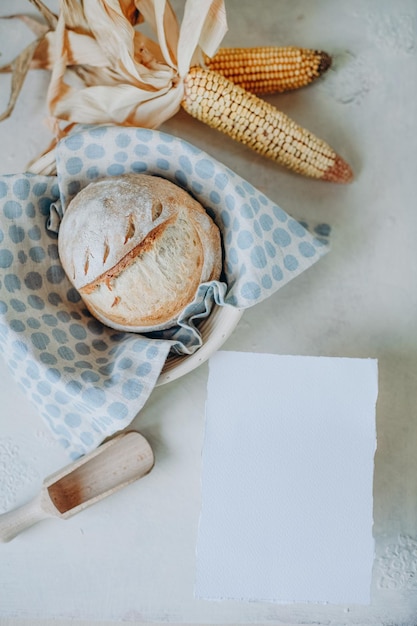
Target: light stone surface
<point x="132" y="557"/>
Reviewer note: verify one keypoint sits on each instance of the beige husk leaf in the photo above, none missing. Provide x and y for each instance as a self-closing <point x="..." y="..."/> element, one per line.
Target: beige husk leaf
<point x="103" y="70"/>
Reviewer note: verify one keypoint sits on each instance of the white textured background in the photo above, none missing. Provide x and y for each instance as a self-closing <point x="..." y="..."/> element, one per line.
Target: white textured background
<point x="360" y="301"/>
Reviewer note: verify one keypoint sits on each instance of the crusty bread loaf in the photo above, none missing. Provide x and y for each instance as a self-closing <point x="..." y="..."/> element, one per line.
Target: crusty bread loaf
<point x="136" y="247"/>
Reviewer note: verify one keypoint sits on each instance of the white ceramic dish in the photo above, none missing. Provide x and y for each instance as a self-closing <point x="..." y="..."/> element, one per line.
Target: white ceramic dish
<point x="215" y="329"/>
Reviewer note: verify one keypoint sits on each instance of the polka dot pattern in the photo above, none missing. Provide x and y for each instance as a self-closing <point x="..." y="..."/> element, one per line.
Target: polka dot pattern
<point x="254" y="229"/>
<point x="87" y="380"/>
<point x="61" y="357"/>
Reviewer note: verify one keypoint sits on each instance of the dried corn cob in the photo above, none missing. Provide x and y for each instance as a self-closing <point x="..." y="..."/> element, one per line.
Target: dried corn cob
<point x="263" y="70"/>
<point x="216" y="101"/>
<point x="139" y="84"/>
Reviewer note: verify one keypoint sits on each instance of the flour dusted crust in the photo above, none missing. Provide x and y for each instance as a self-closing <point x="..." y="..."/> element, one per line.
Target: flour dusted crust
<point x="137" y="247"/>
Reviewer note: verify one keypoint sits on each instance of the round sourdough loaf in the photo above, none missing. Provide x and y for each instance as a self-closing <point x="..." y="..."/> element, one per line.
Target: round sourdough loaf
<point x="136" y="247"/>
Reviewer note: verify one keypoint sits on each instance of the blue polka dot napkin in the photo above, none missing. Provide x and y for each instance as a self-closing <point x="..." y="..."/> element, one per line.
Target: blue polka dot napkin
<point x="87" y="380"/>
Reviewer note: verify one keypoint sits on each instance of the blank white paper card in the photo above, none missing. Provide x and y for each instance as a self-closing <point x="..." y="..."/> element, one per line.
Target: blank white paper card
<point x="287" y="479"/>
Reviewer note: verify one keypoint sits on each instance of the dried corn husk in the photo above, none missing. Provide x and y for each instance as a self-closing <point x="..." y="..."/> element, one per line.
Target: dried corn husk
<point x="125" y="77"/>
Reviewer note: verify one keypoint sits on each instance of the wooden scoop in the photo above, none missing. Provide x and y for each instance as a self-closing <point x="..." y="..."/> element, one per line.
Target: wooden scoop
<point x="110" y="467"/>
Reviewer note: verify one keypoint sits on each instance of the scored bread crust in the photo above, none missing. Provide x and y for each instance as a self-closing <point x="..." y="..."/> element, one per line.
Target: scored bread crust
<point x="136" y="247"/>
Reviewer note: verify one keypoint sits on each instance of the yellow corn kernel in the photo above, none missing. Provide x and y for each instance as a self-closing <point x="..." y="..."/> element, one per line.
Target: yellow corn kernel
<point x="272" y="69"/>
<point x="268" y="131"/>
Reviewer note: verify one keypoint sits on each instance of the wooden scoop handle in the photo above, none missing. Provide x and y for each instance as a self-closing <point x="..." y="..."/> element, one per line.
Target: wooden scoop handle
<point x="13" y="522"/>
<point x="111" y="466"/>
